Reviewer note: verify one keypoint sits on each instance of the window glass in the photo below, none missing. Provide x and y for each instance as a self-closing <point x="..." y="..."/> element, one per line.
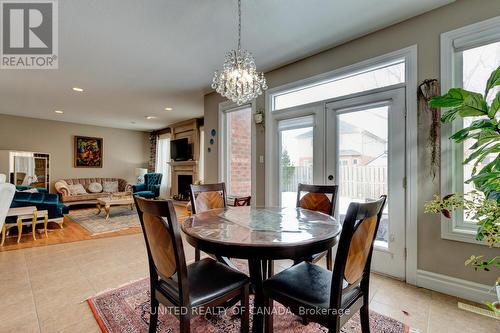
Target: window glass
<point x="476" y="66"/>
<point x="391" y="74"/>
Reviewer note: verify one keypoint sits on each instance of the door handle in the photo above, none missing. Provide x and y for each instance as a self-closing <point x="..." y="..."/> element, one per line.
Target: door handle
<point x="330" y="177"/>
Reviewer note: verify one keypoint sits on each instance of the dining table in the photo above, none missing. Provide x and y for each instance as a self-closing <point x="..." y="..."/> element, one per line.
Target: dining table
<point x="261" y="234"/>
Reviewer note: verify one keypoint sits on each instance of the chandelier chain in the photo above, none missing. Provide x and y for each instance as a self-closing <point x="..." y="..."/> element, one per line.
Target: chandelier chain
<point x="239" y="24"/>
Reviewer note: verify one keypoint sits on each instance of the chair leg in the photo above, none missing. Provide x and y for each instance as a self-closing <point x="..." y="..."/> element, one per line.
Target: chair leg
<point x="270" y="269"/>
<point x="197" y="255"/>
<point x="185" y="321"/>
<point x="245" y="309"/>
<point x="329" y="260"/>
<point x="19" y="229"/>
<point x="153" y="317"/>
<point x="364" y="316"/>
<point x="268" y="315"/>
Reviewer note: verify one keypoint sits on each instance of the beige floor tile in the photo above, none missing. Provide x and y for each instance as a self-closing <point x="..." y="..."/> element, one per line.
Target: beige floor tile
<point x="445" y="316"/>
<point x="19" y="320"/>
<point x="87" y="326"/>
<point x="62" y="316"/>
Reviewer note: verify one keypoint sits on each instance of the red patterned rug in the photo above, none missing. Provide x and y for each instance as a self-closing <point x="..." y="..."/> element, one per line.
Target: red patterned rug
<point x="126" y="309"/>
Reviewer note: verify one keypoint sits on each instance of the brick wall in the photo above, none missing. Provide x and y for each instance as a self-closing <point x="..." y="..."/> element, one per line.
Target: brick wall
<point x="153" y="139"/>
<point x="240" y="147"/>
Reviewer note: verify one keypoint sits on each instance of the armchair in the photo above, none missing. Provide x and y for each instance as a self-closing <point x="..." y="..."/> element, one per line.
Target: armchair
<point x="6" y="195"/>
<point x="150" y="188"/>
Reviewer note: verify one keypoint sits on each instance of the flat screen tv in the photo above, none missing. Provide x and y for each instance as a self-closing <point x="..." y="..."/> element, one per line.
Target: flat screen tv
<point x="180" y="150"/>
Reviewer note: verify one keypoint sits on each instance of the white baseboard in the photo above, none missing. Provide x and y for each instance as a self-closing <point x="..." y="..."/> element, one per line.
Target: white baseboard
<point x="468" y="290"/>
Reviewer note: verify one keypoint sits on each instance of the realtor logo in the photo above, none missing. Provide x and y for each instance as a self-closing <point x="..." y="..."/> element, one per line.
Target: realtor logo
<point x="28" y="34"/>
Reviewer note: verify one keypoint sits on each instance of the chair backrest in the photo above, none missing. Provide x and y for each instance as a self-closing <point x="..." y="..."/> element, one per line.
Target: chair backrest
<point x="152" y="179"/>
<point x="163" y="242"/>
<point x="320" y="198"/>
<point x="3" y="178"/>
<point x="354" y="252"/>
<point x="242" y="201"/>
<point x="7" y="192"/>
<point x="208" y="196"/>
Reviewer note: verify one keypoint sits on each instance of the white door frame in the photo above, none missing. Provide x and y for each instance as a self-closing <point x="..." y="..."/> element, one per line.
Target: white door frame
<point x="410" y="56"/>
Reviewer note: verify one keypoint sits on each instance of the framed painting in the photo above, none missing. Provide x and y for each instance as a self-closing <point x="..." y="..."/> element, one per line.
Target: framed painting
<point x="88" y="152"/>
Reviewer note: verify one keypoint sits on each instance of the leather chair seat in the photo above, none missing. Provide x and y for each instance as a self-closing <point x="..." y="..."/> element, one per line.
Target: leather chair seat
<point x="315" y="286"/>
<point x="208" y="280"/>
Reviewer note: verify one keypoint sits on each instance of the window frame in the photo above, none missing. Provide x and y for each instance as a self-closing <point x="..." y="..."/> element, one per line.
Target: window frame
<point x="223" y="165"/>
<point x="453" y="43"/>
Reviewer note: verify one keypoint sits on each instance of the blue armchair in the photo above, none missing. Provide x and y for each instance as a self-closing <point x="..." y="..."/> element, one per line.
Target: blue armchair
<point x="151" y="187"/>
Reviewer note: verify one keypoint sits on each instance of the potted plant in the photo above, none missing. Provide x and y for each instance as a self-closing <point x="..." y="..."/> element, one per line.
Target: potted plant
<point x="483" y="204"/>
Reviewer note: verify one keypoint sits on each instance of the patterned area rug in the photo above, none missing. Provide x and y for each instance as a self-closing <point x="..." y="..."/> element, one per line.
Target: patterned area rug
<point x="126" y="309"/>
<point x="119" y="218"/>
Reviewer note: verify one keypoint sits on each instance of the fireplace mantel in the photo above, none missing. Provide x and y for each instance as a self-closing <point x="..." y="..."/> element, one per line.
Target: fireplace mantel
<point x="187" y="129"/>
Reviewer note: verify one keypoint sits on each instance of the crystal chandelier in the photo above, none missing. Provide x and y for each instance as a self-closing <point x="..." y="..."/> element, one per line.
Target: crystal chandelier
<point x="239" y="80"/>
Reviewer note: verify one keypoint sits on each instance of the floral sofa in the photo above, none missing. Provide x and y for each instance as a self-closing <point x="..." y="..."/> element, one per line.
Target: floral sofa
<point x="63" y="188"/>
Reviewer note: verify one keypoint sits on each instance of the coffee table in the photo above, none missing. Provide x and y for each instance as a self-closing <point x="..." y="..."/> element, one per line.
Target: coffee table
<point x="31" y="214"/>
<point x="109" y="202"/>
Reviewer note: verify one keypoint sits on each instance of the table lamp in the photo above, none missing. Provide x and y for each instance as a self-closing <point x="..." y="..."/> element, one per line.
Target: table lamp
<point x="139" y="173"/>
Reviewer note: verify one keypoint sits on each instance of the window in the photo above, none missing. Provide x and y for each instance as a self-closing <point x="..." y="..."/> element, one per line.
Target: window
<point x="162" y="166"/>
<point x="236" y="149"/>
<point x="381" y="76"/>
<point x="469" y="55"/>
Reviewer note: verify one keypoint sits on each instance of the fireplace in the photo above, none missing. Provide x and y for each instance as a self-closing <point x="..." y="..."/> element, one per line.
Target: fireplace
<point x="183" y="182"/>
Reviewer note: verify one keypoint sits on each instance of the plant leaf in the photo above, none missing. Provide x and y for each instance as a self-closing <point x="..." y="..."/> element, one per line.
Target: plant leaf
<point x="454" y="97"/>
<point x="494" y="80"/>
<point x="495" y="105"/>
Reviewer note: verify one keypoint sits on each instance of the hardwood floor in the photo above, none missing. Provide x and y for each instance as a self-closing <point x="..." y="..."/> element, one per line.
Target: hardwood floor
<point x="71" y="232"/>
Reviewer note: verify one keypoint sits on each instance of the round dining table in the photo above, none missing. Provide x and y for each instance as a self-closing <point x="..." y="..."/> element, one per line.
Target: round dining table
<point x="261" y="234"/>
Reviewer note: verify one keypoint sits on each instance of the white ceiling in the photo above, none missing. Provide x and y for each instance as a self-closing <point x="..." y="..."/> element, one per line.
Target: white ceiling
<point x="134" y="58"/>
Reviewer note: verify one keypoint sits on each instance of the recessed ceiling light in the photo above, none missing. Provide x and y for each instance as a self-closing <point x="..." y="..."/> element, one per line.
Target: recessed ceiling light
<point x="151" y="117"/>
<point x="169" y="109"/>
<point x="77" y="89"/>
<point x="59" y="111"/>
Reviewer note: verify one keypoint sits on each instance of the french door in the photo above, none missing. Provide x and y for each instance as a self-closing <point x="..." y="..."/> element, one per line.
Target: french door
<point x="365" y="156"/>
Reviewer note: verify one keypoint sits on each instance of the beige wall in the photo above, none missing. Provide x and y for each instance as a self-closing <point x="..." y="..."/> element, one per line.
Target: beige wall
<point x="124" y="150"/>
<point x="434" y="254"/>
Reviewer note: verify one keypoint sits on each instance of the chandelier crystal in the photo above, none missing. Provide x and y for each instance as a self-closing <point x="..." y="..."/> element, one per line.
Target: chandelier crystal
<point x="239" y="79"/>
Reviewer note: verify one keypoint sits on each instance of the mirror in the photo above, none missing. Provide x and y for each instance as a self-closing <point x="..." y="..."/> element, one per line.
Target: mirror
<point x="29" y="169"/>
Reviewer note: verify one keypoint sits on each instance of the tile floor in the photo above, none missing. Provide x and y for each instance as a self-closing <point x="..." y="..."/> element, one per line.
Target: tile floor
<point x="44" y="289"/>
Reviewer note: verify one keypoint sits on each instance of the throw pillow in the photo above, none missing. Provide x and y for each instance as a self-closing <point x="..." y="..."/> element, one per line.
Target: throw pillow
<point x="110" y="187"/>
<point x="76" y="189"/>
<point x="94" y="188"/>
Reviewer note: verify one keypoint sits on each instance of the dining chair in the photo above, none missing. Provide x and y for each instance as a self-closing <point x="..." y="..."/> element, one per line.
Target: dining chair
<point x="242" y="201"/>
<point x="320" y="198"/>
<point x="205" y="197"/>
<point x="332" y="298"/>
<point x="188" y="288"/>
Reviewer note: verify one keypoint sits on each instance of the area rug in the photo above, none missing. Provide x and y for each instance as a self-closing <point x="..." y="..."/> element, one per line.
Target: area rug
<point x="119" y="218"/>
<point x="126" y="309"/>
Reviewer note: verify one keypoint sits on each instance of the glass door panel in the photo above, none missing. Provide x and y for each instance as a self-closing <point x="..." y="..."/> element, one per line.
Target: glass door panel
<point x="363" y="161"/>
<point x="296" y="156"/>
<point x="366" y="157"/>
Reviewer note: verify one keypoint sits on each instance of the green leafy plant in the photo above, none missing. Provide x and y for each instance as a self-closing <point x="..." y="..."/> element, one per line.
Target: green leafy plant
<point x="483" y="204"/>
<point x="484" y="131"/>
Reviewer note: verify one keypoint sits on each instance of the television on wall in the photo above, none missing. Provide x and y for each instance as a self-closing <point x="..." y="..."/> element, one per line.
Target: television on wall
<point x="181" y="150"/>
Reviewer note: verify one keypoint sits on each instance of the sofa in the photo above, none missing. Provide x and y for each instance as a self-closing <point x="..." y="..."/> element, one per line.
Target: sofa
<point x="62" y="188"/>
<point x="150" y="189"/>
<point x="42" y="201"/>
